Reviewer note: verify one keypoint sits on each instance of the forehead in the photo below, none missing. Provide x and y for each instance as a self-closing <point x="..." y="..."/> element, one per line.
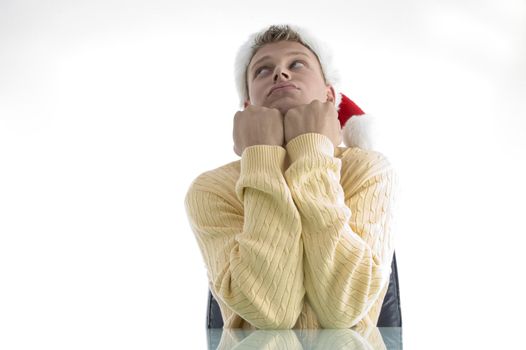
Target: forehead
<point x="281" y="49"/>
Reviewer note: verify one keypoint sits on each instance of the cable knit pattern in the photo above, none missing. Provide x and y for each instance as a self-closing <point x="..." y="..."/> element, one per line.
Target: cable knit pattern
<point x="307" y="246"/>
<point x="344" y="275"/>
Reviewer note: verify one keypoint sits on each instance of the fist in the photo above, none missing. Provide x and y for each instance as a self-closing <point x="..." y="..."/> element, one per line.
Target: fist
<point x="257" y="125"/>
<point x="318" y="117"/>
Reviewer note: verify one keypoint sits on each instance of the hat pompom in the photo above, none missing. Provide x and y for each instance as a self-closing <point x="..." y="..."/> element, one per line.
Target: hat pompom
<point x="357" y="126"/>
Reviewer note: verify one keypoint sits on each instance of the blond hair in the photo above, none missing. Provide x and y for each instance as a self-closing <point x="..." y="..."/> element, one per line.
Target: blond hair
<point x="276" y="33"/>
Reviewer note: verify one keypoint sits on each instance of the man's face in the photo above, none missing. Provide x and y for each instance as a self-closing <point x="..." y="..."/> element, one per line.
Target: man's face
<point x="284" y="75"/>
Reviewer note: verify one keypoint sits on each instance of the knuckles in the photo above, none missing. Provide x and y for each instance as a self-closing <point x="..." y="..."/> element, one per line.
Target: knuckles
<point x="316" y="116"/>
<point x="252" y="111"/>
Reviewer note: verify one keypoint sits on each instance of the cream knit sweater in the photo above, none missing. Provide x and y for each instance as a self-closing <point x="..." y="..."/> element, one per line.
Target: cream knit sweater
<point x="297" y="237"/>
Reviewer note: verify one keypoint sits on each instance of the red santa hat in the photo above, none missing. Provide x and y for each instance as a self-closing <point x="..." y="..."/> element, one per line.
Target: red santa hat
<point x="356" y="125"/>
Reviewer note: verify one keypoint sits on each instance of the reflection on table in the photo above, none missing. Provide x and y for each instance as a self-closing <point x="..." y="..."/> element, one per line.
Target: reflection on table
<point x="371" y="338"/>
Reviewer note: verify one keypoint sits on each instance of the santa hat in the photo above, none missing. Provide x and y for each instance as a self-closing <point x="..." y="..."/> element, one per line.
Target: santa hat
<point x="356" y="125"/>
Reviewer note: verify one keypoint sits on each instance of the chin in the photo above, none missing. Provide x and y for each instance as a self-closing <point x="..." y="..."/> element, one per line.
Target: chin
<point x="284" y="106"/>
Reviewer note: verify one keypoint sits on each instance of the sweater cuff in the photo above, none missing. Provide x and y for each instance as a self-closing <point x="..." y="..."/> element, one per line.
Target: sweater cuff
<point x="258" y="163"/>
<point x="310" y="143"/>
<point x="262" y="158"/>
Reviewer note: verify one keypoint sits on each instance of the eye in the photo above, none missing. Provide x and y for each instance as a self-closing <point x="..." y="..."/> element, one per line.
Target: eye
<point x="296" y="64"/>
<point x="261" y="70"/>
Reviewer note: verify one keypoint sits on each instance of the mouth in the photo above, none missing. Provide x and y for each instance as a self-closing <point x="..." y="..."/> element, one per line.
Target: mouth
<point x="282" y="87"/>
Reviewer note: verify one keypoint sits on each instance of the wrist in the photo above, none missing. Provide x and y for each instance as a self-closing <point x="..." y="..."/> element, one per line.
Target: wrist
<point x="309" y="143"/>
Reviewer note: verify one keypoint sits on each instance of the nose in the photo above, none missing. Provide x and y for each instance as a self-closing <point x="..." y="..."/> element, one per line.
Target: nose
<point x="280" y="74"/>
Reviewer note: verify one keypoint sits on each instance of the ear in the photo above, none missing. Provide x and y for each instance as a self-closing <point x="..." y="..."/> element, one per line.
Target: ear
<point x="331" y="95"/>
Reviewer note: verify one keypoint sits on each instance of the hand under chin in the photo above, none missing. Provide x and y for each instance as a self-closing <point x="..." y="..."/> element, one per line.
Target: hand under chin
<point x="284" y="106"/>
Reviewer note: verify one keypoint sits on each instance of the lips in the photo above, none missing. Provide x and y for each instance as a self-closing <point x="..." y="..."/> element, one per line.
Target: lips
<point x="281" y="86"/>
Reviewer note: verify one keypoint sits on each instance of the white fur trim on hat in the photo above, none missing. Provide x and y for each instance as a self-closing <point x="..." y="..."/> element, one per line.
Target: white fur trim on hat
<point x="359" y="132"/>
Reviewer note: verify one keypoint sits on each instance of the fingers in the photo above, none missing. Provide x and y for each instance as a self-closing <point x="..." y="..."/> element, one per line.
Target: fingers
<point x="315" y="117"/>
<point x="257" y="125"/>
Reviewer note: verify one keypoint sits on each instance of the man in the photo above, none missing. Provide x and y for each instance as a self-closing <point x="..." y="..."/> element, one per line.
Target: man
<point x="296" y="234"/>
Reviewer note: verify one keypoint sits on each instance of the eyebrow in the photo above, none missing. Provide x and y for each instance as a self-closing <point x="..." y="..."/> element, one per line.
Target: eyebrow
<point x="292" y="53"/>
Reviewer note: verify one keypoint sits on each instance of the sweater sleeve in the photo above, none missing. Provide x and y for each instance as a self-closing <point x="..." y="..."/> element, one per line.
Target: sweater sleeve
<point x="253" y="252"/>
<point x="348" y="245"/>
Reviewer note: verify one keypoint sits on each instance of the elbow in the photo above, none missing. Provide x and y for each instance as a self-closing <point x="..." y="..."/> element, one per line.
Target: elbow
<point x="346" y="317"/>
<point x="285" y="318"/>
<point x="342" y="320"/>
<point x="341" y="323"/>
<point x="272" y="324"/>
<point x="292" y="318"/>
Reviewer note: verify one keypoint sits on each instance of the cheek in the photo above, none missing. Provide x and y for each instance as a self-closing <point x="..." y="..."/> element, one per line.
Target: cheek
<point x="316" y="86"/>
<point x="255" y="93"/>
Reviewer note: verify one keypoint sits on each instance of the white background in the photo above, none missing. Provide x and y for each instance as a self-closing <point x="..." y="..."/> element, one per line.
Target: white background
<point x="109" y="109"/>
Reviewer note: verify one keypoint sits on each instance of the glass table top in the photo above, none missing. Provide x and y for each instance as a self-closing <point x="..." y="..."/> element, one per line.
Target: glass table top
<point x="372" y="338"/>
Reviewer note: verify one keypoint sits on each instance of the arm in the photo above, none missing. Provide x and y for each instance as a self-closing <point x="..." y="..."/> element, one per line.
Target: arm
<point x="347" y="242"/>
<point x="253" y="252"/>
